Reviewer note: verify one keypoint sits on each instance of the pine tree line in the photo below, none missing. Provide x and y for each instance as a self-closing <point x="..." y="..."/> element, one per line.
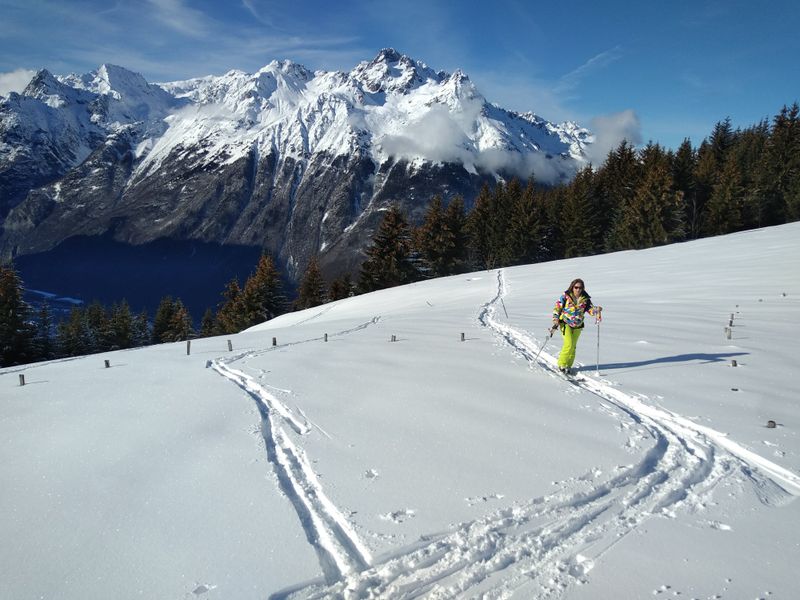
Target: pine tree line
<point x="28" y="336"/>
<point x="735" y="180"/>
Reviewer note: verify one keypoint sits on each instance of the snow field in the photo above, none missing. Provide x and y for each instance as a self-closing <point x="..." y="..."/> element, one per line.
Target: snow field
<point x="431" y="467"/>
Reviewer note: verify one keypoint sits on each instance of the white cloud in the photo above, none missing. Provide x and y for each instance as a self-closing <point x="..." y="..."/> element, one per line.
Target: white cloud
<point x="260" y="15"/>
<point x="15" y="81"/>
<point x="441" y="136"/>
<point x="544" y="170"/>
<point x="572" y="80"/>
<point x="176" y="15"/>
<point x="435" y="136"/>
<point x="610" y="130"/>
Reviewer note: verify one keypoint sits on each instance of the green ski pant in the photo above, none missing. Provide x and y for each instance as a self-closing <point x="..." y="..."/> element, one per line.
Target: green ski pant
<point x="567" y="355"/>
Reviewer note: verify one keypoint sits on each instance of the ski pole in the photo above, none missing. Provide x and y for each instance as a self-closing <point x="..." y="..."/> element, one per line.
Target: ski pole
<point x="598" y="348"/>
<point x="547" y="339"/>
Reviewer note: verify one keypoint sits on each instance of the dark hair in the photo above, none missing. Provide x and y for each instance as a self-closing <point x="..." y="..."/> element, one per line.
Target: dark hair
<point x="568" y="291"/>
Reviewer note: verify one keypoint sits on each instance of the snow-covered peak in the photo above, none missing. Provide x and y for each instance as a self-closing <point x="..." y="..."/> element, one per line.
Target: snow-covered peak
<point x="573" y="134"/>
<point x="111" y="80"/>
<point x="47" y="88"/>
<point x="391" y="107"/>
<point x="117" y="81"/>
<point x="42" y="82"/>
<point x="241" y="91"/>
<point x="287" y="70"/>
<point x="208" y="89"/>
<point x="391" y="71"/>
<point x="123" y="96"/>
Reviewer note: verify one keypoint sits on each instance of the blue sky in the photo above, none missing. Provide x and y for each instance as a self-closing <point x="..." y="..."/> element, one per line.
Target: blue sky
<point x="658" y="71"/>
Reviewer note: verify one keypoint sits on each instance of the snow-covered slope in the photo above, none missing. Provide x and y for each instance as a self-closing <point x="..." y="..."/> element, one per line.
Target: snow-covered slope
<point x="431" y="466"/>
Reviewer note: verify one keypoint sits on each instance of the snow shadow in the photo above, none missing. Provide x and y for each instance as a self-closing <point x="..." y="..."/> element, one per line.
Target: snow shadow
<point x="678" y="358"/>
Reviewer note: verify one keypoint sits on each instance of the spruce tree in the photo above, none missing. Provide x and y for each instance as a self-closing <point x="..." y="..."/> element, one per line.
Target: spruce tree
<point x="578" y="216"/>
<point x="311" y="292"/>
<point x="791" y="180"/>
<point x="44" y="342"/>
<point x="141" y="334"/>
<point x="748" y="154"/>
<point x="706" y="176"/>
<point x="779" y="181"/>
<point x="614" y="187"/>
<point x="388" y="262"/>
<point x="456" y="221"/>
<point x="162" y="321"/>
<point x="504" y="198"/>
<point x="662" y="201"/>
<point x="478" y="234"/>
<point x="435" y="242"/>
<point x="16" y="331"/>
<point x="526" y="228"/>
<point x="207" y="323"/>
<point x="683" y="165"/>
<point x="180" y="325"/>
<point x="723" y="210"/>
<point x="121" y="326"/>
<point x="553" y="201"/>
<point x="721" y="140"/>
<point x="74" y="337"/>
<point x="99" y="327"/>
<point x="231" y="316"/>
<point x="341" y="287"/>
<point x="263" y="296"/>
<point x="655" y="215"/>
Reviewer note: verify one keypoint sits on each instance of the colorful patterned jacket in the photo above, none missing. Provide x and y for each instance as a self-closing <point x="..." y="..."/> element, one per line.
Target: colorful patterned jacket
<point x="572" y="313"/>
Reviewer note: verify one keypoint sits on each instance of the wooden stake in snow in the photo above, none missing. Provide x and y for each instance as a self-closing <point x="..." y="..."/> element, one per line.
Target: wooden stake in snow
<point x="728" y="333"/>
<point x="107" y="363"/>
<point x="21" y="379"/>
<point x="230" y="346"/>
<point x="734" y="363"/>
<point x="462" y="337"/>
<point x="394" y="338"/>
<point x="188" y="347"/>
<point x="771" y="424"/>
<point x="274" y="341"/>
<point x="326" y="337"/>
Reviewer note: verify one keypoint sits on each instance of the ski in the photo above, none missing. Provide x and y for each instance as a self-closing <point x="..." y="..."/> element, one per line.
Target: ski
<point x="571" y="376"/>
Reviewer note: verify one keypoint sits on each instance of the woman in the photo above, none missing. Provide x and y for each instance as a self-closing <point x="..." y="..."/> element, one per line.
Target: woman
<point x="568" y="314"/>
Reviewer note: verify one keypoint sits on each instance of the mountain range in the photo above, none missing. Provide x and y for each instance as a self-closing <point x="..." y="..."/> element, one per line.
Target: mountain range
<point x="294" y="162"/>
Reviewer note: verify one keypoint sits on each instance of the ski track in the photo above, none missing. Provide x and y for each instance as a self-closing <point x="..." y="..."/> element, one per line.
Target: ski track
<point x="538" y="548"/>
<point x="339" y="550"/>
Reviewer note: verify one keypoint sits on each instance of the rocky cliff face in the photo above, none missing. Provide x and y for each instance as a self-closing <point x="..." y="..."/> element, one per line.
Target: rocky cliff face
<point x="298" y="163"/>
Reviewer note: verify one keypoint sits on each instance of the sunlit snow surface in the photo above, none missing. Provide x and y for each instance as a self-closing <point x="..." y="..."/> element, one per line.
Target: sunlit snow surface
<point x="431" y="466"/>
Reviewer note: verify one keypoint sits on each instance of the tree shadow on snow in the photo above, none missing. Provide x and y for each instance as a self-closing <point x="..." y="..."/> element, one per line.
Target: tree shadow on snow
<point x="678" y="358"/>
